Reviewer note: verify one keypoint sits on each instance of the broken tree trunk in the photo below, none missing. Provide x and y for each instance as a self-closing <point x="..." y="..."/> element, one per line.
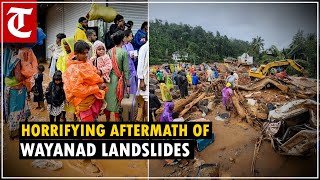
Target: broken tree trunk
<point x="241" y="98"/>
<point x="189" y="106"/>
<point x="261" y="84"/>
<point x="211" y="97"/>
<point x="179" y="104"/>
<point x="236" y="102"/>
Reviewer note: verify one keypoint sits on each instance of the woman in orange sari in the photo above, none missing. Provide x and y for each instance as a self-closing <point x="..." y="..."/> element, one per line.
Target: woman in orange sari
<point x="85" y="89"/>
<point x="83" y="86"/>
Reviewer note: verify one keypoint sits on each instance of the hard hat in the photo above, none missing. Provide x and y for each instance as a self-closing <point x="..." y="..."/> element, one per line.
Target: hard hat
<point x="228" y="84"/>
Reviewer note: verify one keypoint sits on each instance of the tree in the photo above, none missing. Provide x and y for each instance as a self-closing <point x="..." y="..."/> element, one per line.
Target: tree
<point x="206" y="46"/>
<point x="256" y="47"/>
<point x="276" y="53"/>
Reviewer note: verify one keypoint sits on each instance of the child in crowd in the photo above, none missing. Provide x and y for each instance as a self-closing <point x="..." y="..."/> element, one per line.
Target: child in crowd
<point x="101" y="61"/>
<point x="55" y="97"/>
<point x="37" y="88"/>
<point x="67" y="53"/>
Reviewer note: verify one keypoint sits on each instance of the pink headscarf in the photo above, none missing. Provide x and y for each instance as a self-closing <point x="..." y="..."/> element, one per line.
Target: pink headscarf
<point x="96" y="45"/>
<point x="104" y="63"/>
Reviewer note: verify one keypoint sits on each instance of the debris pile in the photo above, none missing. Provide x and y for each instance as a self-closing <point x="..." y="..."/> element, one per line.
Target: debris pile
<point x="282" y="109"/>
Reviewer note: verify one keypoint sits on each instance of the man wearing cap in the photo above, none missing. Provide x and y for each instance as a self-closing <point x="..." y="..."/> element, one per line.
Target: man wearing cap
<point x="226" y="96"/>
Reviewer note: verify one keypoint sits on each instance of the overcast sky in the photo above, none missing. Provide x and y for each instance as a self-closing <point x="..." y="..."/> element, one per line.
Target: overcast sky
<point x="275" y="23"/>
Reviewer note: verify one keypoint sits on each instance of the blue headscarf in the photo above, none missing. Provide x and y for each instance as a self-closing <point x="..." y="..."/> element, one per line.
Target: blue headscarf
<point x="40" y="37"/>
<point x="195" y="79"/>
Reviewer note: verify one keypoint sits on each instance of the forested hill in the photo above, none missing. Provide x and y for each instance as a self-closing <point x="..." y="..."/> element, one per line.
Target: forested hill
<point x="203" y="46"/>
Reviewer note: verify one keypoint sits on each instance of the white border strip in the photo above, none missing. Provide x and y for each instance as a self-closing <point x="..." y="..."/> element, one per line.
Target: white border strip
<point x="148" y="37"/>
<point x="2" y="122"/>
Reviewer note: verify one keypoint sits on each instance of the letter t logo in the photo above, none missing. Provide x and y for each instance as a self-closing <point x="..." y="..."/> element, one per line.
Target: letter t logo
<point x="19" y="22"/>
<point x="20" y="12"/>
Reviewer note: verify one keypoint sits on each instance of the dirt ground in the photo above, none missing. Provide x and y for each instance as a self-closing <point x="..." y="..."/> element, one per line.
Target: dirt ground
<point x="233" y="150"/>
<point x="110" y="168"/>
<point x="234" y="145"/>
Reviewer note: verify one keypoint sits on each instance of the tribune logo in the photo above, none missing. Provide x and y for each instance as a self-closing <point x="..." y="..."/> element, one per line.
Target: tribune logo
<point x="20" y="23"/>
<point x="19" y="12"/>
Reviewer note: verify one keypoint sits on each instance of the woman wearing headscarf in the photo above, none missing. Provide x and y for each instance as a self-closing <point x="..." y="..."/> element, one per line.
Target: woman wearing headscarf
<point x="20" y="65"/>
<point x="226" y="96"/>
<point x="166" y="116"/>
<point x="67" y="52"/>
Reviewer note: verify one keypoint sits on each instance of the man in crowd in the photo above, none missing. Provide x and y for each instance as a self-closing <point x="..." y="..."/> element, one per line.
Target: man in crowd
<point x="140" y="38"/>
<point x="231" y="79"/>
<point x="118" y="24"/>
<point x="91" y="38"/>
<point x="81" y="29"/>
<point x="182" y="83"/>
<point x="129" y="25"/>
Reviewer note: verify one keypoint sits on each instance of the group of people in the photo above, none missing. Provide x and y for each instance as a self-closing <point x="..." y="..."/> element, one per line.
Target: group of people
<point x="184" y="76"/>
<point x="111" y="69"/>
<point x="88" y="79"/>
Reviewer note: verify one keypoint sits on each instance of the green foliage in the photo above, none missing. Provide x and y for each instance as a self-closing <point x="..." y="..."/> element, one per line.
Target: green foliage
<point x="256" y="46"/>
<point x="201" y="46"/>
<point x="209" y="47"/>
<point x="304" y="47"/>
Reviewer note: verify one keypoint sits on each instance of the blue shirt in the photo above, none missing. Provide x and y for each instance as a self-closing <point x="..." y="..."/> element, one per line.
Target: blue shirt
<point x="137" y="37"/>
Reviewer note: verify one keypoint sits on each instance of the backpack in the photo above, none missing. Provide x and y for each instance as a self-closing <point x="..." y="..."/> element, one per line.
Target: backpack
<point x="108" y="41"/>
